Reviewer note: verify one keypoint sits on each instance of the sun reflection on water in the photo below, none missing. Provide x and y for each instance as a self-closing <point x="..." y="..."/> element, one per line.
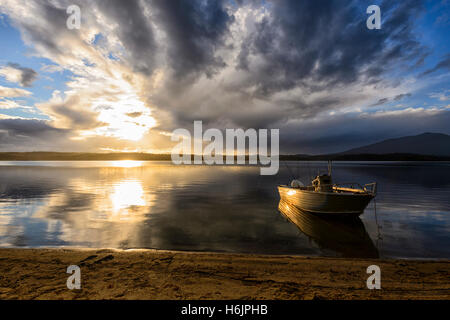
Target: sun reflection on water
<point x="127" y="194"/>
<point x="126" y="163"/>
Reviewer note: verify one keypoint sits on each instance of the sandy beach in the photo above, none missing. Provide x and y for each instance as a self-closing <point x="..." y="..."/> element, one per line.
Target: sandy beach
<point x="154" y="274"/>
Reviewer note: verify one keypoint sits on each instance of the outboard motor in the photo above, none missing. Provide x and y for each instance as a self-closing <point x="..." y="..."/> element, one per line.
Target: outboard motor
<point x="296" y="184"/>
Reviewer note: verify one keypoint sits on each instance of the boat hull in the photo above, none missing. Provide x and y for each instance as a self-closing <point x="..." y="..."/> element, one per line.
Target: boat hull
<point x="325" y="202"/>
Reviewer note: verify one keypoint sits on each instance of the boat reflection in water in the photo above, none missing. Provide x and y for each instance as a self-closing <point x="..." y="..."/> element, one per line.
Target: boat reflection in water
<point x="345" y="236"/>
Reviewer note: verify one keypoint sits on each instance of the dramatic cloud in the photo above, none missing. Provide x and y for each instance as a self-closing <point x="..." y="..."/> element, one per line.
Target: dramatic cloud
<point x="194" y="30"/>
<point x="139" y="69"/>
<point x="296" y="59"/>
<point x="134" y="31"/>
<point x="325" y="43"/>
<point x="13" y="72"/>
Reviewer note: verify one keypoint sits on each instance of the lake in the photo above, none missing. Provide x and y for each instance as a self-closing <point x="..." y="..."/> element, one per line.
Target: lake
<point x="151" y="204"/>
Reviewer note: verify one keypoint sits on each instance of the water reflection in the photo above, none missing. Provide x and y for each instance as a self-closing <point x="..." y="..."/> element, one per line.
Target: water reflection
<point x="213" y="208"/>
<point x="78" y="207"/>
<point x="345" y="236"/>
<point x="127" y="196"/>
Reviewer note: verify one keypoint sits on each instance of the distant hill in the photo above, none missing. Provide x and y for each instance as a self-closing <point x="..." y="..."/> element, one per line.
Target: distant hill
<point x="423" y="147"/>
<point x="80" y="156"/>
<point x="434" y="144"/>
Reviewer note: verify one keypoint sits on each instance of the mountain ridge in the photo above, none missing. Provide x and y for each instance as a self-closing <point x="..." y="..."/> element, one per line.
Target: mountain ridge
<point x="427" y="143"/>
<point x="427" y="146"/>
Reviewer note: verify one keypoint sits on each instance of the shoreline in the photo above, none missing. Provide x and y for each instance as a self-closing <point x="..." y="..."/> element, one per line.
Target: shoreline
<point x="140" y="156"/>
<point x="40" y="273"/>
<point x="247" y="254"/>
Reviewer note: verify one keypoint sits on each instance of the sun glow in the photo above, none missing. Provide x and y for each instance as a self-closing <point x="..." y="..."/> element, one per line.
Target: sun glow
<point x="122" y="126"/>
<point x="124" y="117"/>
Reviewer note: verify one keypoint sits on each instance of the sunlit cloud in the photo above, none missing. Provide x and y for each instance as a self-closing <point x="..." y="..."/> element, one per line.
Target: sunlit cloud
<point x="6" y="92"/>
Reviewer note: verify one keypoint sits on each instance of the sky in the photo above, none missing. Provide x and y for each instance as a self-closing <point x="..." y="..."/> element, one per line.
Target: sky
<point x="137" y="70"/>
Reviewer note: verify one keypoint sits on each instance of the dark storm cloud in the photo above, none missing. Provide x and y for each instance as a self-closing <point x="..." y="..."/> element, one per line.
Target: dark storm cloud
<point x="335" y="135"/>
<point x="328" y="41"/>
<point x="27" y="75"/>
<point x="23" y="134"/>
<point x="312" y="47"/>
<point x="194" y="29"/>
<point x="134" y="31"/>
<point x="56" y="19"/>
<point x="27" y="127"/>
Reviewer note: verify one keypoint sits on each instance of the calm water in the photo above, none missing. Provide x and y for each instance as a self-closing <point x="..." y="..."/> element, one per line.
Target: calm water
<point x="219" y="208"/>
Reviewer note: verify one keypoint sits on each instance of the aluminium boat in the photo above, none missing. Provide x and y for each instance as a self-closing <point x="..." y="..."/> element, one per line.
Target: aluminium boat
<point x="324" y="197"/>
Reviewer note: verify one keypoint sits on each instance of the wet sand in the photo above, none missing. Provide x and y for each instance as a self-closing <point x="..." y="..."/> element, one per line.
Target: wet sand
<point x="154" y="274"/>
